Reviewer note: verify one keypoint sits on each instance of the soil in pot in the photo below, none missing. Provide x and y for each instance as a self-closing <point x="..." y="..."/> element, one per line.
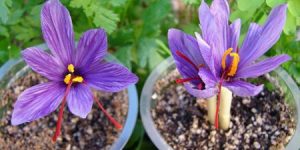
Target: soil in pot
<point x="261" y="122"/>
<point x="94" y="132"/>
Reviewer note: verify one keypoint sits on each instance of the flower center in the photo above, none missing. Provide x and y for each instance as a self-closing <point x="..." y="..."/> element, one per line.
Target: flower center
<point x="70" y="77"/>
<point x="231" y="71"/>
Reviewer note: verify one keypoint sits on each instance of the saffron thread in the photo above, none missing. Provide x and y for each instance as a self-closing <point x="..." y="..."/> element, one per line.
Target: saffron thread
<point x="200" y="86"/>
<point x="61" y="112"/>
<point x="218" y="101"/>
<point x="111" y="119"/>
<point x="186" y="59"/>
<point x="178" y="81"/>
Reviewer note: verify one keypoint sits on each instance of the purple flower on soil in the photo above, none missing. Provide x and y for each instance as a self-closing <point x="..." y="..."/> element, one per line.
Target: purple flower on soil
<point x="72" y="71"/>
<point x="213" y="59"/>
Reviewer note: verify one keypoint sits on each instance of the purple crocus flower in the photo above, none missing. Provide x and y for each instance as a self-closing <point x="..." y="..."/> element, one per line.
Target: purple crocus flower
<point x="72" y="71"/>
<point x="214" y="59"/>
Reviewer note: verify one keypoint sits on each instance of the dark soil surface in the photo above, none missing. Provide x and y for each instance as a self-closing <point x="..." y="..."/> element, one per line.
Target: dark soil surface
<point x="261" y="122"/>
<point x="94" y="132"/>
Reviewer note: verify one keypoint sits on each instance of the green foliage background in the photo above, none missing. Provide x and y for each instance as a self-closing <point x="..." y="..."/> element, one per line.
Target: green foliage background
<point x="137" y="31"/>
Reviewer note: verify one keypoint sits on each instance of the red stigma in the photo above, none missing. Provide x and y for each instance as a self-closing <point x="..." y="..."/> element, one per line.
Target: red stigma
<point x="186" y="59"/>
<point x="179" y="81"/>
<point x="218" y="101"/>
<point x="60" y="114"/>
<point x="200" y="86"/>
<point x="110" y="118"/>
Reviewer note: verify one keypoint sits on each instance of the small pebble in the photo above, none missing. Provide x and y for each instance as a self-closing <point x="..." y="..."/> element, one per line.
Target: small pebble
<point x="256" y="145"/>
<point x="181" y="138"/>
<point x="254" y="110"/>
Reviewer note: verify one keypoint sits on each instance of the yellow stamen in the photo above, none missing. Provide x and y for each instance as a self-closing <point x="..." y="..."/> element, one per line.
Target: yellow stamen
<point x="70" y="77"/>
<point x="234" y="64"/>
<point x="226" y="53"/>
<point x="67" y="78"/>
<point x="78" y="79"/>
<point x="71" y="68"/>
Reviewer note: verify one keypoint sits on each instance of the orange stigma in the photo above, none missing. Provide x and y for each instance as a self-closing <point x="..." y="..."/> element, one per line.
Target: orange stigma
<point x="231" y="71"/>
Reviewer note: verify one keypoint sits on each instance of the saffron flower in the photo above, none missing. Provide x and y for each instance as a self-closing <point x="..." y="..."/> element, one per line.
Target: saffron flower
<point x="72" y="71"/>
<point x="214" y="60"/>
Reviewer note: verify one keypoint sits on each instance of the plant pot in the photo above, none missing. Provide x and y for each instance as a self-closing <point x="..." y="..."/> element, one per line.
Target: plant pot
<point x="14" y="69"/>
<point x="148" y="102"/>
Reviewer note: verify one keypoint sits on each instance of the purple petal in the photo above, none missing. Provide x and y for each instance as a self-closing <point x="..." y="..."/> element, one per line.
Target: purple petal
<point x="251" y="39"/>
<point x="37" y="102"/>
<point x="58" y="30"/>
<point x="92" y="47"/>
<point x="207" y="23"/>
<point x="260" y="68"/>
<point x="208" y="78"/>
<point x="200" y="93"/>
<point x="80" y="100"/>
<point x="220" y="11"/>
<point x="43" y="63"/>
<point x="242" y="88"/>
<point x="206" y="53"/>
<point x="187" y="45"/>
<point x="109" y="77"/>
<point x="235" y="29"/>
<point x="211" y="34"/>
<point x="261" y="39"/>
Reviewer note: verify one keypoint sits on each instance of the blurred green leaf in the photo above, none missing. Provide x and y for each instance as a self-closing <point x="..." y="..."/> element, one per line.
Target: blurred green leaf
<point x="245" y="5"/>
<point x="106" y="18"/>
<point x="35" y="13"/>
<point x="124" y="54"/>
<point x="3" y="50"/>
<point x="191" y="28"/>
<point x="192" y="2"/>
<point x="263" y="19"/>
<point x="14" y="51"/>
<point x="153" y="16"/>
<point x="298" y="21"/>
<point x="80" y="3"/>
<point x="273" y="3"/>
<point x="15" y="17"/>
<point x="163" y="50"/>
<point x="117" y="2"/>
<point x="290" y="26"/>
<point x="294" y="7"/>
<point x="4" y="10"/>
<point x="101" y="16"/>
<point x="147" y="145"/>
<point x="243" y="15"/>
<point x="146" y="49"/>
<point x="3" y="31"/>
<point x="25" y="32"/>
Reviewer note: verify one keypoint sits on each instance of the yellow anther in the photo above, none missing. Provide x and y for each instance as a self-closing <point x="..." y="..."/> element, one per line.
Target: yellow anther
<point x="71" y="68"/>
<point x="78" y="79"/>
<point x="234" y="64"/>
<point x="226" y="53"/>
<point x="70" y="77"/>
<point x="67" y="78"/>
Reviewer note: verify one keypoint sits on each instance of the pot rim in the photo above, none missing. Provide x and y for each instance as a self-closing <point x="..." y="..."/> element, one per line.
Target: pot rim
<point x="156" y="137"/>
<point x="132" y="99"/>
